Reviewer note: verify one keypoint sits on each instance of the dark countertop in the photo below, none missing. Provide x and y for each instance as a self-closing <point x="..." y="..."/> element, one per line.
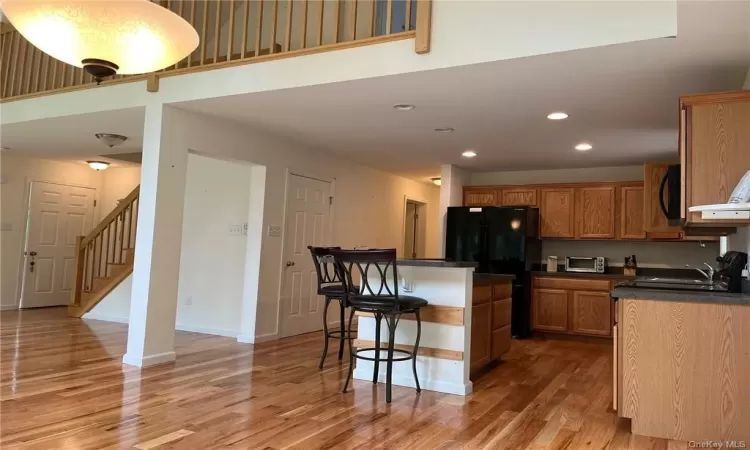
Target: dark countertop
<point x="616" y="273"/>
<point x="436" y="263"/>
<point x="482" y="279"/>
<point x="724" y="298"/>
<point x="606" y="276"/>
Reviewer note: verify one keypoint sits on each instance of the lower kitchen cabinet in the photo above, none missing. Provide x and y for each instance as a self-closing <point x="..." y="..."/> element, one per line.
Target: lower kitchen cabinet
<point x="577" y="306"/>
<point x="481" y="339"/>
<point x="490" y="323"/>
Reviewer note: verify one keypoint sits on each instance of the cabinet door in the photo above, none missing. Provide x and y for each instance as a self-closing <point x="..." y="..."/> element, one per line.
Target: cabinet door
<point x="592" y="313"/>
<point x="480" y="197"/>
<point x="549" y="310"/>
<point x="595" y="212"/>
<point x="718" y="139"/>
<point x="481" y="335"/>
<point x="518" y="197"/>
<point x="556" y="213"/>
<point x="500" y="342"/>
<point x="631" y="213"/>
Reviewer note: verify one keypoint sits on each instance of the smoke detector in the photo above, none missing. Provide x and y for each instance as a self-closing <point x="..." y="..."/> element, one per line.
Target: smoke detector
<point x="111" y="140"/>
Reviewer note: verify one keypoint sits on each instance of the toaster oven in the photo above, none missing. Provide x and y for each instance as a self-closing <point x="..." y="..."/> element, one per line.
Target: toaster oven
<point x="592" y="264"/>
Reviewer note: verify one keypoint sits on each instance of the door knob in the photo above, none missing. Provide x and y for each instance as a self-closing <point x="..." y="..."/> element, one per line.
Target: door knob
<point x="32" y="262"/>
<point x="289" y="263"/>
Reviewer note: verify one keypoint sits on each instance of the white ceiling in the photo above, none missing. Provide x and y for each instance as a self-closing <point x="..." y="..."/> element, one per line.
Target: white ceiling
<point x="622" y="99"/>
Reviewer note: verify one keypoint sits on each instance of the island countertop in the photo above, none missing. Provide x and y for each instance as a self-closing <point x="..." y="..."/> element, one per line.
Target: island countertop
<point x="717" y="297"/>
<point x="428" y="262"/>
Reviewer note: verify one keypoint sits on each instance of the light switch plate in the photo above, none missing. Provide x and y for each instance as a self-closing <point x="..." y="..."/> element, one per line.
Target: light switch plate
<point x="274" y="231"/>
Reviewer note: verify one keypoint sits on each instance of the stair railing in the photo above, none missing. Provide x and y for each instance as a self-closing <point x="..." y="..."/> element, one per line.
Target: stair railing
<point x="105" y="245"/>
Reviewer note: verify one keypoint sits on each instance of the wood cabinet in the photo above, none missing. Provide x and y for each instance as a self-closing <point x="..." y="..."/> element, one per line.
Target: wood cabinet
<point x="480" y="197"/>
<point x="654" y="219"/>
<point x="580" y="306"/>
<point x="521" y="196"/>
<point x="490" y="323"/>
<point x="714" y="142"/>
<point x="557" y="213"/>
<point x="549" y="310"/>
<point x="631" y="212"/>
<point x="591" y="313"/>
<point x="595" y="212"/>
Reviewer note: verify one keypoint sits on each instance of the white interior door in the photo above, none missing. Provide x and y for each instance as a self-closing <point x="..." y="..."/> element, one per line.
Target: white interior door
<point x="308" y="211"/>
<point x="57" y="214"/>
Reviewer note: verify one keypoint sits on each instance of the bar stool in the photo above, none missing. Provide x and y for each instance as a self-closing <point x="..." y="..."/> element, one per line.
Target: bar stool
<point x="379" y="296"/>
<point x="331" y="287"/>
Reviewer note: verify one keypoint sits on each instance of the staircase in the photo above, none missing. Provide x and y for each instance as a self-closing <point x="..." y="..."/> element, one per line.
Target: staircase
<point x="105" y="257"/>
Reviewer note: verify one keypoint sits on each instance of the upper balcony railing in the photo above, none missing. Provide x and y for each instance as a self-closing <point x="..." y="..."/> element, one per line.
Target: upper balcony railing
<point x="232" y="32"/>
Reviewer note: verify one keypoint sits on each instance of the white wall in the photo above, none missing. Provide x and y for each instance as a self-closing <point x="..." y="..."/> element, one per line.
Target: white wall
<point x="368" y="204"/>
<point x="212" y="261"/>
<point x="649" y="254"/>
<point x="16" y="173"/>
<point x="117" y="183"/>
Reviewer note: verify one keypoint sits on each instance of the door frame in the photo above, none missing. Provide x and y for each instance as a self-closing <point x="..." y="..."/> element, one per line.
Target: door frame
<point x="26" y="213"/>
<point x="331" y="229"/>
<point x="424" y="203"/>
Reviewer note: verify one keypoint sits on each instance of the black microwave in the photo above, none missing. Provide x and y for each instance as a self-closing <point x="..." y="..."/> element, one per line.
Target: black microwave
<point x="669" y="194"/>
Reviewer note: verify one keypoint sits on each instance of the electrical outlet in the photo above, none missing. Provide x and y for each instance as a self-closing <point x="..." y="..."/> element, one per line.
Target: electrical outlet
<point x="274" y="231"/>
<point x="189" y="300"/>
<point x="235" y="230"/>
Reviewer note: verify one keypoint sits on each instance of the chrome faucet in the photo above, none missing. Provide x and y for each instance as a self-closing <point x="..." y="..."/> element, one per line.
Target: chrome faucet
<point x="709" y="276"/>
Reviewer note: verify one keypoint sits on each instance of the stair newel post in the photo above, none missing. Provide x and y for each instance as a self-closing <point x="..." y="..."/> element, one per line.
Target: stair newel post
<point x="80" y="262"/>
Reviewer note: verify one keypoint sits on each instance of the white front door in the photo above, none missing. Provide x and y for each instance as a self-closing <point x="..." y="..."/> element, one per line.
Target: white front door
<point x="308" y="211"/>
<point x="57" y="214"/>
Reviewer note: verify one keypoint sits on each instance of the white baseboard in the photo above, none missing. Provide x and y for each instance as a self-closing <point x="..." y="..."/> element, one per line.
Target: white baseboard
<point x="151" y="360"/>
<point x="263" y="338"/>
<point x="179" y="327"/>
<point x="408" y="381"/>
<point x="13" y="307"/>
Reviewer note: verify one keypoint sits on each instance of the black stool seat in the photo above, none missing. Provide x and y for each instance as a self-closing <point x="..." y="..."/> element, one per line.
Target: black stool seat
<point x="380" y="302"/>
<point x="335" y="290"/>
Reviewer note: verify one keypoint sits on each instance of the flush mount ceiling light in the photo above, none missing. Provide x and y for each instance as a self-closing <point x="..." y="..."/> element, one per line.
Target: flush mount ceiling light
<point x="444" y="130"/>
<point x="557" y="116"/>
<point x="403" y="107"/>
<point x="469" y="154"/>
<point x="98" y="165"/>
<point x="437" y="181"/>
<point x="111" y="140"/>
<point x="583" y="146"/>
<point x="104" y="37"/>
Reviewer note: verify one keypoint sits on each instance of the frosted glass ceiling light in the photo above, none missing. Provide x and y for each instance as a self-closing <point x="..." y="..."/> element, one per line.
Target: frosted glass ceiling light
<point x="104" y="37"/>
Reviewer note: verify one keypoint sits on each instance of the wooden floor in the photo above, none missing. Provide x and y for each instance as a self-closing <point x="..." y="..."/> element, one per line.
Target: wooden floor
<point x="64" y="387"/>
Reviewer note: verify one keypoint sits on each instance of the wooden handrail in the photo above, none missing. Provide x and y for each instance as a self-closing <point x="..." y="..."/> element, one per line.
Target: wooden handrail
<point x="124" y="203"/>
<point x="232" y="32"/>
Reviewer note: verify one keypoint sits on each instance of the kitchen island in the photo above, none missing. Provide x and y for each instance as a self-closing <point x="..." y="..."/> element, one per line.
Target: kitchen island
<point x="682" y="364"/>
<point x="457" y="336"/>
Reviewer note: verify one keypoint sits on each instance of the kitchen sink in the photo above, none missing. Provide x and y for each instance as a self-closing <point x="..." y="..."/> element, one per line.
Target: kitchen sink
<point x="674" y="284"/>
<point x="686" y="281"/>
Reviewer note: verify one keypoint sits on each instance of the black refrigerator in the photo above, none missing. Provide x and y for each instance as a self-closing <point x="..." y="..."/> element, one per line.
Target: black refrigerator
<point x="502" y="240"/>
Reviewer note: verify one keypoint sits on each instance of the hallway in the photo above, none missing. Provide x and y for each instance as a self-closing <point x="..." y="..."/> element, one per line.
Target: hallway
<point x="63" y="386"/>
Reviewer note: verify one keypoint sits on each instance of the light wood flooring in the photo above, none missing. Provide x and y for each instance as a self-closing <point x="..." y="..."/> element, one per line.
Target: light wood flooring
<point x="62" y="386"/>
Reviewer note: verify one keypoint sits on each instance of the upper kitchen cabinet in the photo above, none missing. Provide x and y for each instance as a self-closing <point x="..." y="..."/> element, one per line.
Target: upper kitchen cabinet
<point x="714" y="151"/>
<point x="631" y="212"/>
<point x="480" y="197"/>
<point x="557" y="213"/>
<point x="520" y="196"/>
<point x="656" y="193"/>
<point x="595" y="212"/>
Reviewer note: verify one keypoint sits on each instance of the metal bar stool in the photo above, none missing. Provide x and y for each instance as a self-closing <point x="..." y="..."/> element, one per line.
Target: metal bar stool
<point x="331" y="287"/>
<point x="379" y="296"/>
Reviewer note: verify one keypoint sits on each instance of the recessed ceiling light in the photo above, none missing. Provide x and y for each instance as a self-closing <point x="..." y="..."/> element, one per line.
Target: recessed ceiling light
<point x="583" y="146"/>
<point x="469" y="154"/>
<point x="436" y="181"/>
<point x="557" y="116"/>
<point x="444" y="130"/>
<point x="403" y="107"/>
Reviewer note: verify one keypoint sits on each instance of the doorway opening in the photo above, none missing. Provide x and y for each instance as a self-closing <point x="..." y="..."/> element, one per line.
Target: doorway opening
<point x="415" y="227"/>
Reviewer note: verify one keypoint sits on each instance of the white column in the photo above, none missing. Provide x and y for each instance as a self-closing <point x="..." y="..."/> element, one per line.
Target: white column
<point x="252" y="255"/>
<point x="452" y="184"/>
<point x="153" y="305"/>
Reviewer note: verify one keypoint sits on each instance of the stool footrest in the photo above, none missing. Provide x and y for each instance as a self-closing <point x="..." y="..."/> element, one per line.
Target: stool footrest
<point x="410" y="355"/>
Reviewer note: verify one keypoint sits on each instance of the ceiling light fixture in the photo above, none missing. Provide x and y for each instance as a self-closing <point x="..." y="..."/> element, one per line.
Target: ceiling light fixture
<point x="111" y="140"/>
<point x="437" y="181"/>
<point x="98" y="165"/>
<point x="104" y="37"/>
<point x="583" y="146"/>
<point x="469" y="154"/>
<point x="557" y="116"/>
<point x="403" y="107"/>
<point x="4" y="149"/>
<point x="444" y="130"/>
